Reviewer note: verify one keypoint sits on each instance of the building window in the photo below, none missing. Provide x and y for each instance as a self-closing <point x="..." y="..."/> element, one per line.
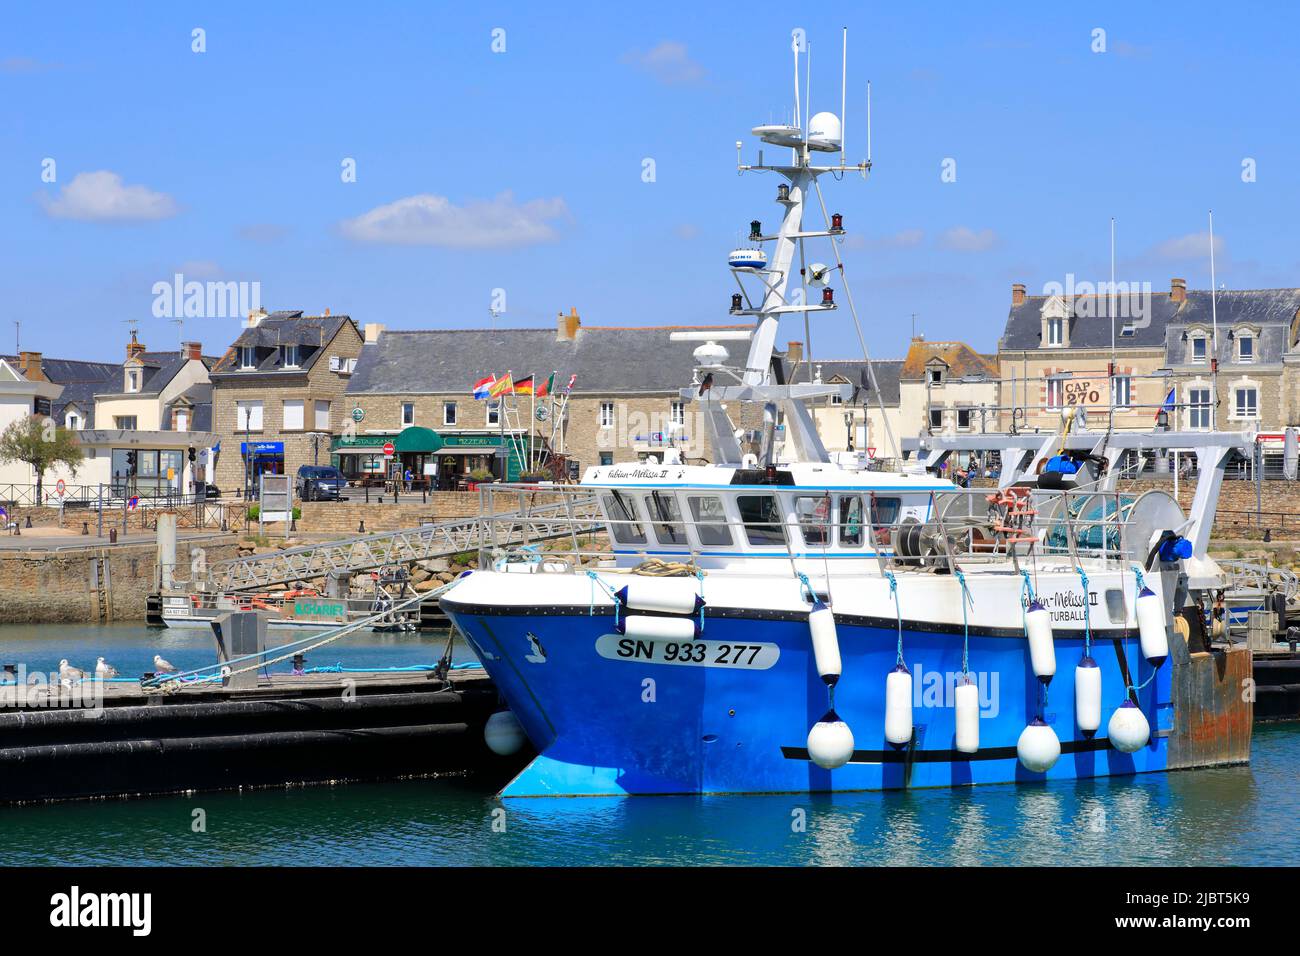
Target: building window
<point x="1056" y="392"/>
<point x="1246" y="404"/>
<point x="449" y="413"/>
<point x="678" y="413"/>
<point x="1055" y="331"/>
<point x="1245" y="348"/>
<point x="72" y="421"/>
<point x="936" y="418"/>
<point x="1121" y="391"/>
<point x="494" y="413"/>
<point x="408" y="413"/>
<point x="606" y="458"/>
<point x="290" y="356"/>
<point x="606" y="414"/>
<point x="133" y="380"/>
<point x="247" y="357"/>
<point x="963" y="419"/>
<point x="837" y="399"/>
<point x="248" y="416"/>
<point x="1198" y="408"/>
<point x="180" y="420"/>
<point x="125" y="422"/>
<point x="322" y="415"/>
<point x="1198" y="350"/>
<point x="293" y="412"/>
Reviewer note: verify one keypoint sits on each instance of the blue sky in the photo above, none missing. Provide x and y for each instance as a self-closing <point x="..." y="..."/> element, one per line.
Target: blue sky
<point x="522" y="170"/>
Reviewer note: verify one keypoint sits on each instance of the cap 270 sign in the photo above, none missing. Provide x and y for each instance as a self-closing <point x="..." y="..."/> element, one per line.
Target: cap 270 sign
<point x="1081" y="393"/>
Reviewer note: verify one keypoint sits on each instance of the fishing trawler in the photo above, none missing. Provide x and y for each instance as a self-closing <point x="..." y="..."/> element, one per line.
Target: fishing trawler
<point x="779" y="621"/>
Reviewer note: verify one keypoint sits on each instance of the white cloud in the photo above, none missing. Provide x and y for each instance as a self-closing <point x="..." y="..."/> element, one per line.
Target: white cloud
<point x="965" y="239"/>
<point x="668" y="63"/>
<point x="102" y="197"/>
<point x="427" y="220"/>
<point x="1194" y="245"/>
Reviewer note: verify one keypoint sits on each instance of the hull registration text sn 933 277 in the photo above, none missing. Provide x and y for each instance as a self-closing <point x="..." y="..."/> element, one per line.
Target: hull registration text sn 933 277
<point x="617" y="647"/>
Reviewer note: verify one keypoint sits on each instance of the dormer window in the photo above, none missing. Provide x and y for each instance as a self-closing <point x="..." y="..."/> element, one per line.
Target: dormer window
<point x="133" y="380"/>
<point x="935" y="374"/>
<point x="247" y="357"/>
<point x="1199" y="349"/>
<point x="72" y="421"/>
<point x="1245" y="347"/>
<point x="1055" y="332"/>
<point x="290" y="356"/>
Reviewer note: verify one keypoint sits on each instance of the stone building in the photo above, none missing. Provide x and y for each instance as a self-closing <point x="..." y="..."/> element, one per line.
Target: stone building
<point x="947" y="388"/>
<point x="624" y="404"/>
<point x="863" y="423"/>
<point x="277" y="394"/>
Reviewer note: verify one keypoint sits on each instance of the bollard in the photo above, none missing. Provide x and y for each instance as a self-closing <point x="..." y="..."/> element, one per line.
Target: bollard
<point x="112" y="536"/>
<point x="361" y="528"/>
<point x="85" y="527"/>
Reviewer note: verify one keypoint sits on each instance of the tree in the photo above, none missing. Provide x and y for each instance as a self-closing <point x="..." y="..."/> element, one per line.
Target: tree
<point x="40" y="443"/>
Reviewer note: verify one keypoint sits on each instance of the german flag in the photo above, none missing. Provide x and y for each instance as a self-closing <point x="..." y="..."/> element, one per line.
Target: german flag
<point x="524" y="386"/>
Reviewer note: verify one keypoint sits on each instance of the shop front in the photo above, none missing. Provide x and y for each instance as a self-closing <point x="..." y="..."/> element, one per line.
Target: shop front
<point x="261" y="458"/>
<point x="436" y="461"/>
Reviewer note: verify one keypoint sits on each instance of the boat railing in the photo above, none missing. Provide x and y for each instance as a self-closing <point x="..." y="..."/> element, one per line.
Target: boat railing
<point x="959" y="527"/>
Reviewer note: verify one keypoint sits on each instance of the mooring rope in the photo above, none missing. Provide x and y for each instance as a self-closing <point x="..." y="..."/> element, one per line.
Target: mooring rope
<point x="965" y="622"/>
<point x="1132" y="688"/>
<point x="893" y="589"/>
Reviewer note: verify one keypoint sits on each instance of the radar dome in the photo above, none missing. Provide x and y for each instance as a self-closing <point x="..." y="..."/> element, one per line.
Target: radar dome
<point x="824" y="132"/>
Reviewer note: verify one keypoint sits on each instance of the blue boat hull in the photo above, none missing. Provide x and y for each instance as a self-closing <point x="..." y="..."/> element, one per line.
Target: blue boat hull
<point x="627" y="722"/>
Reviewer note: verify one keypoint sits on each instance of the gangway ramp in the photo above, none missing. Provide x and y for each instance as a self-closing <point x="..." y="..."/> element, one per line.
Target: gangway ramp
<point x="407" y="546"/>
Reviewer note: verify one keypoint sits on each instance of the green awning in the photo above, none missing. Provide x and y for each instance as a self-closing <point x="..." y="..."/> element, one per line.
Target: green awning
<point x="417" y="440"/>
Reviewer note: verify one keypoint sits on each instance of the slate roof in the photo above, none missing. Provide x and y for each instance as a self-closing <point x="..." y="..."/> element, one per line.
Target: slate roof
<point x="1090" y="327"/>
<point x="850" y="370"/>
<point x="199" y="396"/>
<point x="605" y="359"/>
<point x="80" y="380"/>
<point x="312" y="333"/>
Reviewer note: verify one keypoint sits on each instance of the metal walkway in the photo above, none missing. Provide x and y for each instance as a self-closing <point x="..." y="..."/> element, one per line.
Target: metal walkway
<point x="407" y="546"/>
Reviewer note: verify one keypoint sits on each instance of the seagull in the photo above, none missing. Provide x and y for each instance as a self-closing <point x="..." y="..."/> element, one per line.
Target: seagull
<point x="163" y="666"/>
<point x="103" y="670"/>
<point x="68" y="674"/>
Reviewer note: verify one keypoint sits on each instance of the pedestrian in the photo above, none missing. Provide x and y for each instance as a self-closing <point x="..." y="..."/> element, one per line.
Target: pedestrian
<point x="407" y="477"/>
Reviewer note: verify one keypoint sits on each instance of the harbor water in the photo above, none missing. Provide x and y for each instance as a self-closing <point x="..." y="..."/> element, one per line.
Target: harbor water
<point x="1235" y="815"/>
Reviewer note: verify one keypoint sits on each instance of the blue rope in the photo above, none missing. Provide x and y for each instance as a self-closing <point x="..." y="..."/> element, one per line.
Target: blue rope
<point x="699" y="576"/>
<point x="965" y="623"/>
<point x="805" y="588"/>
<point x="893" y="589"/>
<point x="1087" y="616"/>
<point x="1141" y="586"/>
<point x="591" y="609"/>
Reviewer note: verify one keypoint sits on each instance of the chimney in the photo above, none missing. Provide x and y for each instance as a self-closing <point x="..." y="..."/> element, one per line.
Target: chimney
<point x="1177" y="290"/>
<point x="1017" y="293"/>
<point x="566" y="326"/>
<point x="29" y="363"/>
<point x="193" y="351"/>
<point x="134" y="348"/>
<point x="793" y="353"/>
<point x="327" y="310"/>
<point x="255" y="318"/>
<point x="373" y="330"/>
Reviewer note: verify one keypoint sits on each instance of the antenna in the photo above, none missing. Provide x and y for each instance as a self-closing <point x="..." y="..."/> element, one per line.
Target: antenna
<point x="868" y="122"/>
<point x="844" y="76"/>
<point x="794" y="45"/>
<point x="807" y="96"/>
<point x="180" y="333"/>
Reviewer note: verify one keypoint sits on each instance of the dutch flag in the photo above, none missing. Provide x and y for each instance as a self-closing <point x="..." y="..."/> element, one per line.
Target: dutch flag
<point x="482" y="386"/>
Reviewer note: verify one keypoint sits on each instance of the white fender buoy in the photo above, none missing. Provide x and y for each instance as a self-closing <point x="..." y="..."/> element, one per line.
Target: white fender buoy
<point x="968" y="716"/>
<point x="659" y="628"/>
<point x="1128" y="729"/>
<point x="1038" y="747"/>
<point x="825" y="642"/>
<point x="669" y="595"/>
<point x="1042" y="652"/>
<point x="898" y="706"/>
<point x="1087" y="696"/>
<point x="504" y="734"/>
<point x="1151" y="627"/>
<point x="830" y="742"/>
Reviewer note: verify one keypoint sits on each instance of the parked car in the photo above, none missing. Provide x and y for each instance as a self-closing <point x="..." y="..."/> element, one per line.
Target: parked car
<point x="319" y="483"/>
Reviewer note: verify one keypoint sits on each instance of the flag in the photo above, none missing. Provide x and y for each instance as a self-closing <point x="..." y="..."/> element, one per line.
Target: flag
<point x="524" y="386"/>
<point x="502" y="386"/>
<point x="545" y="388"/>
<point x="572" y="378"/>
<point x="482" y="388"/>
<point x="1168" y="406"/>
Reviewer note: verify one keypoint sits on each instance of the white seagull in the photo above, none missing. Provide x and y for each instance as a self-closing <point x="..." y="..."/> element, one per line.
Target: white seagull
<point x="104" y="670"/>
<point x="68" y="674"/>
<point x="162" y="666"/>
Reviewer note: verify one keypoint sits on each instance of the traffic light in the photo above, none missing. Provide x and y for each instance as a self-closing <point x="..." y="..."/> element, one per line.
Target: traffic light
<point x="191" y="454"/>
<point x="130" y="462"/>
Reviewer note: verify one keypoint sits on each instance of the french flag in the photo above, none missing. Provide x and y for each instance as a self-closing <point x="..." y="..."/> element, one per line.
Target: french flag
<point x="482" y="386"/>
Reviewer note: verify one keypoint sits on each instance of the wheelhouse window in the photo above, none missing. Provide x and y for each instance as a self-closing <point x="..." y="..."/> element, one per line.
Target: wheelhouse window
<point x="814" y="514"/>
<point x="761" y="517"/>
<point x="884" y="515"/>
<point x="710" y="520"/>
<point x="850" y="521"/>
<point x="665" y="517"/>
<point x="623" y="522"/>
